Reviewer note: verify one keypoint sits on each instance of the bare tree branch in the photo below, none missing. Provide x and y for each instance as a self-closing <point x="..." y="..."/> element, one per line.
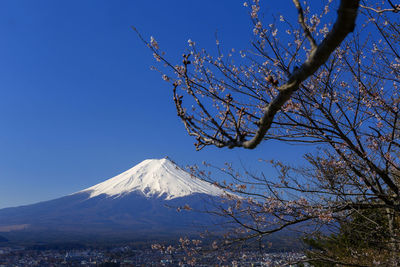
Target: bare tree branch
<point x="345" y="23"/>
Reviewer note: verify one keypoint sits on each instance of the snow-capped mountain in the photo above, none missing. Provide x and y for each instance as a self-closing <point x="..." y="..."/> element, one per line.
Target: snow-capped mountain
<point x="134" y="204"/>
<point x="154" y="178"/>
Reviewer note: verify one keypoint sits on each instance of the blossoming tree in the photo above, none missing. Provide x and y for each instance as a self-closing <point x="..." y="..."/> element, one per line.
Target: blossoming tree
<point x="329" y="81"/>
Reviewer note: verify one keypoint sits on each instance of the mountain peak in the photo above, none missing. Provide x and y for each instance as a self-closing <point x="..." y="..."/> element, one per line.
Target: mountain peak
<point x="154" y="178"/>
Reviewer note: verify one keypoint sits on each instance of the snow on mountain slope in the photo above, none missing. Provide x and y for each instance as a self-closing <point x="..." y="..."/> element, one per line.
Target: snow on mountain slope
<point x="154" y="178"/>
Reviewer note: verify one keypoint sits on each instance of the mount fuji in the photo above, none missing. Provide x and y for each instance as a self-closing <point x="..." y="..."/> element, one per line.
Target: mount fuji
<point x="134" y="204"/>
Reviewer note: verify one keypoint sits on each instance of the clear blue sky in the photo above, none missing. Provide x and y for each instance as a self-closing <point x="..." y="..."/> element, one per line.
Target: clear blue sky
<point x="78" y="102"/>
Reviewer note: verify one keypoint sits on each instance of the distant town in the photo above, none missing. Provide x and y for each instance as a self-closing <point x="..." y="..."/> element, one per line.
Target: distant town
<point x="20" y="256"/>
